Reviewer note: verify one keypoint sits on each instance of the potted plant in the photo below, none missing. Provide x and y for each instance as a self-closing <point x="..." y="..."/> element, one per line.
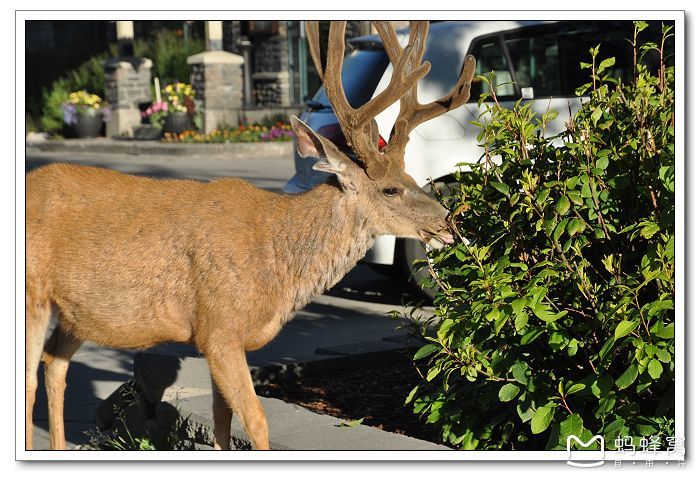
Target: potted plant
<point x="155" y="114"/>
<point x="176" y="112"/>
<point x="85" y="113"/>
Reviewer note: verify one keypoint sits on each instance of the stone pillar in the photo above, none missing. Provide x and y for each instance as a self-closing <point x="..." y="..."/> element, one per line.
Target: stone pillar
<point x="127" y="84"/>
<point x="217" y="78"/>
<point x="125" y="37"/>
<point x="214" y="35"/>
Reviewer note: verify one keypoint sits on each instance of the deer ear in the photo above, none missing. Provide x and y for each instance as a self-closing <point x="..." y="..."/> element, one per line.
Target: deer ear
<point x="310" y="144"/>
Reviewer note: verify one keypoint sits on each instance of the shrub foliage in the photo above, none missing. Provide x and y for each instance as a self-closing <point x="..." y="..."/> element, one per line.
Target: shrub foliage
<point x="167" y="51"/>
<point x="556" y="308"/>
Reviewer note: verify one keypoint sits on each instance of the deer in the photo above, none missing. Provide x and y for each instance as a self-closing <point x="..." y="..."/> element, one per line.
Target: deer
<point x="129" y="261"/>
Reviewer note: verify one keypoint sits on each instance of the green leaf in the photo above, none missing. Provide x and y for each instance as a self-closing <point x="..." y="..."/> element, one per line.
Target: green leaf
<point x="624" y="328"/>
<point x="655" y="369"/>
<point x="531" y="335"/>
<point x="571" y="426"/>
<point x="543" y="312"/>
<point x="508" y="392"/>
<point x="519" y="371"/>
<point x="541" y="419"/>
<point x="595" y="116"/>
<point x="559" y="230"/>
<point x="663" y="355"/>
<point x="602" y="163"/>
<point x="666" y="332"/>
<point x="574" y="388"/>
<point x="494" y="314"/>
<point x="601" y="386"/>
<point x="575" y="226"/>
<point x="500" y="187"/>
<point x="649" y="229"/>
<point x="606" y="348"/>
<point x="521" y="319"/>
<point x="411" y="395"/>
<point x="425" y="351"/>
<point x="607" y="63"/>
<point x="627" y="377"/>
<point x="350" y="424"/>
<point x="563" y="205"/>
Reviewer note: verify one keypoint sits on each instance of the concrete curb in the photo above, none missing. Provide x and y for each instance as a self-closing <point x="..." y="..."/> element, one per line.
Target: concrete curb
<point x="155" y="147"/>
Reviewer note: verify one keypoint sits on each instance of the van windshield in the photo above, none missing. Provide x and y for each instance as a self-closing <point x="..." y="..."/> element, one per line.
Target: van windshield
<point x="362" y="70"/>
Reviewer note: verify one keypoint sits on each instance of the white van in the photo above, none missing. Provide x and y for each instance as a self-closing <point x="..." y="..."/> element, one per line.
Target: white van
<point x="532" y="60"/>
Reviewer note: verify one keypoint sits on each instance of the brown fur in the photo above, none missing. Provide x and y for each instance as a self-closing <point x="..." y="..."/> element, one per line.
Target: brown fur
<point x="130" y="262"/>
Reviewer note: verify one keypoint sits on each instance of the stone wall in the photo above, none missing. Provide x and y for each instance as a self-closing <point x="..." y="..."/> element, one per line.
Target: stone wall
<point x="127" y="84"/>
<point x="217" y="78"/>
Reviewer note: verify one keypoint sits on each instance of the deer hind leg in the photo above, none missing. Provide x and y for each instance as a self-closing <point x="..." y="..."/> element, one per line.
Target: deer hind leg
<point x="222" y="419"/>
<point x="57" y="354"/>
<point x="36" y="325"/>
<point x="231" y="378"/>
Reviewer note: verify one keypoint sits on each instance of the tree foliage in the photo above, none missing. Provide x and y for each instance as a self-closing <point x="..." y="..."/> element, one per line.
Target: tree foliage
<point x="556" y="307"/>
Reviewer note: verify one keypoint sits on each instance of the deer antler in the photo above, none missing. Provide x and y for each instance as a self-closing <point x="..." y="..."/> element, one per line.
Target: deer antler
<point x="412" y="113"/>
<point x="358" y="124"/>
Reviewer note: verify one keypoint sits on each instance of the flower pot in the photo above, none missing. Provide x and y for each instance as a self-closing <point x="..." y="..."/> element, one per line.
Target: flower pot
<point x="88" y="124"/>
<point x="178" y="122"/>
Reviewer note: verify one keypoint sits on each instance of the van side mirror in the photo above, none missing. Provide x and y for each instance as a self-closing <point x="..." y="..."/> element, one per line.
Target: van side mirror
<point x="527" y="93"/>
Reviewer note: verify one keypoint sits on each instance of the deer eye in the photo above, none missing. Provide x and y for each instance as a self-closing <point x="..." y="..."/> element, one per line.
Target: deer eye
<point x="390" y="192"/>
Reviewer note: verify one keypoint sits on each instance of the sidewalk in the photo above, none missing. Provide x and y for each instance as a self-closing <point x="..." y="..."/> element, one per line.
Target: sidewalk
<point x="103" y="145"/>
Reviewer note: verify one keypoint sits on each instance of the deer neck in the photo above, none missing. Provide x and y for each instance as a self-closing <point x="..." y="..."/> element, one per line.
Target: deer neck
<point x="325" y="234"/>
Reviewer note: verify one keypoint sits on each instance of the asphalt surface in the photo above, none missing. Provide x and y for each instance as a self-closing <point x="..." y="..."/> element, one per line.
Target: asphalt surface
<point x="352" y="312"/>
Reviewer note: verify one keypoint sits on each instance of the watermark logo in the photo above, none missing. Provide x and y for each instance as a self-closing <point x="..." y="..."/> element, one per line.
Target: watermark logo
<point x="591" y="459"/>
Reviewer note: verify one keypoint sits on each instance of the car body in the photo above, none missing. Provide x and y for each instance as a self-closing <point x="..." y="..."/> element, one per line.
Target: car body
<point x="535" y="61"/>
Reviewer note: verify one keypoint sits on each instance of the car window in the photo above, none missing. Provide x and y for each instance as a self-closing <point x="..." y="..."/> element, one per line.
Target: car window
<point x="362" y="70"/>
<point x="536" y="63"/>
<point x="547" y="58"/>
<point x="491" y="58"/>
<point x="574" y="48"/>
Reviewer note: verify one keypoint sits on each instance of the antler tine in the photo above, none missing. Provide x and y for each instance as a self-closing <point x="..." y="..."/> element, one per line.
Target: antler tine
<point x="456" y="98"/>
<point x="403" y="80"/>
<point x="312" y="33"/>
<point x="412" y="113"/>
<point x="389" y="40"/>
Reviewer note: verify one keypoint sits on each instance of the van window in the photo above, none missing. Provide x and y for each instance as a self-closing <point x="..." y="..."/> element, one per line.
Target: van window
<point x="490" y="58"/>
<point x="536" y="63"/>
<point x="362" y="70"/>
<point x="547" y="58"/>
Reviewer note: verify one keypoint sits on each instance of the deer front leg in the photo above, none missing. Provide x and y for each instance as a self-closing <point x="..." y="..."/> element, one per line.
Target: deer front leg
<point x="229" y="371"/>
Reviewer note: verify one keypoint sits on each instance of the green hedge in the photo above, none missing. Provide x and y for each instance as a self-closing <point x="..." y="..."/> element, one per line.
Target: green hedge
<point x="168" y="52"/>
<point x="556" y="308"/>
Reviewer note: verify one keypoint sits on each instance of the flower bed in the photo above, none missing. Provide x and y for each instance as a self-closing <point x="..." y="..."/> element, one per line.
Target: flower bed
<point x="278" y="132"/>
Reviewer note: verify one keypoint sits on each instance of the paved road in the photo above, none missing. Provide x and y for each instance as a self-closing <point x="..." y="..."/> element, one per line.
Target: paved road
<point x="354" y="311"/>
<point x="265" y="172"/>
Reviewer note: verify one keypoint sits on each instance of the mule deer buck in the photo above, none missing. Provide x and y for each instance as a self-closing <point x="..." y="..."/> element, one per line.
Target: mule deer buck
<point x="130" y="262"/>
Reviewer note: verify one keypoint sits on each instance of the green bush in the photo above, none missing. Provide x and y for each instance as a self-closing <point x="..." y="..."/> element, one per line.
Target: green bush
<point x="556" y="308"/>
<point x="167" y="51"/>
<point x="87" y="76"/>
